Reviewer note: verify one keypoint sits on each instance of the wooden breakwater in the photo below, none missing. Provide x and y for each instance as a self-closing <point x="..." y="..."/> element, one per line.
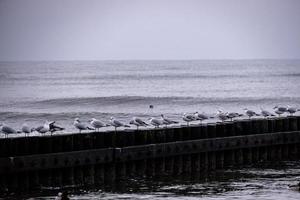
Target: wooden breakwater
<point x="100" y="158"/>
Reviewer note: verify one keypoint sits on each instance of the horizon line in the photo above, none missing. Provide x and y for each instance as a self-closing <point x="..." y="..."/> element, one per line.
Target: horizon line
<point x="105" y="60"/>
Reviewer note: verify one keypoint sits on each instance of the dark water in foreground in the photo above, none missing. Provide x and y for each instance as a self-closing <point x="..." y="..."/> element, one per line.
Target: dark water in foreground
<point x="261" y="182"/>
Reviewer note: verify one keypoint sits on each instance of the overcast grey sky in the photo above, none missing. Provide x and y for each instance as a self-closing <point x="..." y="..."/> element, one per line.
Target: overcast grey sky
<point x="153" y="29"/>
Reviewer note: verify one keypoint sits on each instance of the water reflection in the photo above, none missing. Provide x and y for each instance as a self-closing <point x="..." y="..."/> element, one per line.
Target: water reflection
<point x="260" y="182"/>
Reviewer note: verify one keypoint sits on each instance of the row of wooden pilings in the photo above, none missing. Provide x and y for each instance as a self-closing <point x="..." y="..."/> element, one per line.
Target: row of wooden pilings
<point x="105" y="158"/>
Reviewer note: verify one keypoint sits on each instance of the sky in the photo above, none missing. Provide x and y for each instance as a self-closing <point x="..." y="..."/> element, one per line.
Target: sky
<point x="152" y="29"/>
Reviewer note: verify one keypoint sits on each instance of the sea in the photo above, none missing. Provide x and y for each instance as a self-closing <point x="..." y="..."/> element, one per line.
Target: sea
<point x="33" y="92"/>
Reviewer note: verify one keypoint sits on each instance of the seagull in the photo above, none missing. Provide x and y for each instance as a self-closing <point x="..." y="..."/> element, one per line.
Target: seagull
<point x="53" y="127"/>
<point x="167" y="121"/>
<point x="117" y="123"/>
<point x="266" y="113"/>
<point x="281" y="108"/>
<point x="222" y="116"/>
<point x="97" y="124"/>
<point x="291" y="110"/>
<point x="7" y="130"/>
<point x="232" y="115"/>
<point x="26" y="130"/>
<point x="201" y="116"/>
<point x="279" y="112"/>
<point x="250" y="113"/>
<point x="43" y="129"/>
<point x="156" y="122"/>
<point x="80" y="126"/>
<point x="138" y="122"/>
<point x="188" y="118"/>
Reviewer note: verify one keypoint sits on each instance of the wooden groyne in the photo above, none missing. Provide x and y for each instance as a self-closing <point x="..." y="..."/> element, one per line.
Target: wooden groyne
<point x="100" y="158"/>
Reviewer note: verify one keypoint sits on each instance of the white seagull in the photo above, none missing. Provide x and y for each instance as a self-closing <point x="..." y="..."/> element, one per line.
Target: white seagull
<point x="115" y="123"/>
<point x="232" y="115"/>
<point x="26" y="129"/>
<point x="81" y="126"/>
<point x="291" y="110"/>
<point x="188" y="118"/>
<point x="7" y="130"/>
<point x="167" y="121"/>
<point x="222" y="116"/>
<point x="155" y="122"/>
<point x="42" y="129"/>
<point x="266" y="113"/>
<point x="250" y="113"/>
<point x="281" y="108"/>
<point x="201" y="116"/>
<point x="138" y="122"/>
<point x="97" y="124"/>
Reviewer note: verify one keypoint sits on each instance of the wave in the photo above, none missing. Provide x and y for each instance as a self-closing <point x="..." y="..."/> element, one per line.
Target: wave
<point x="146" y="100"/>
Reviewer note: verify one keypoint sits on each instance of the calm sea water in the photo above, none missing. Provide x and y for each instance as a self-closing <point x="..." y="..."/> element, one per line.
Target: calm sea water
<point x="264" y="183"/>
<point x="33" y="92"/>
<point x="60" y="91"/>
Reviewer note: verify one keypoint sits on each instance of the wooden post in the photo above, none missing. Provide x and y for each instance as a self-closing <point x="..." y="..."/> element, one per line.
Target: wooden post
<point x="211" y="130"/>
<point x="99" y="174"/>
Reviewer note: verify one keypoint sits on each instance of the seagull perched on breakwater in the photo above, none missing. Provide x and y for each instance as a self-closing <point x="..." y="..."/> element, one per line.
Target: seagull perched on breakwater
<point x="167" y="121"/>
<point x="282" y="109"/>
<point x="265" y="113"/>
<point x="155" y="122"/>
<point x="201" y="116"/>
<point x="26" y="129"/>
<point x="222" y="116"/>
<point x="188" y="118"/>
<point x="138" y="122"/>
<point x="42" y="129"/>
<point x="97" y="124"/>
<point x="292" y="110"/>
<point x="279" y="110"/>
<point x="115" y="123"/>
<point x="250" y="113"/>
<point x="81" y="126"/>
<point x="53" y="128"/>
<point x="7" y="130"/>
<point x="232" y="115"/>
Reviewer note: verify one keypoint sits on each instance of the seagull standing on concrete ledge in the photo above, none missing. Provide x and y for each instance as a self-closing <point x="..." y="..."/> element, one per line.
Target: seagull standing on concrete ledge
<point x="53" y="128"/>
<point x="97" y="124"/>
<point x="250" y="113"/>
<point x="188" y="118"/>
<point x="167" y="121"/>
<point x="155" y="122"/>
<point x="138" y="122"/>
<point x="291" y="110"/>
<point x="201" y="116"/>
<point x="222" y="116"/>
<point x="26" y="129"/>
<point x="7" y="130"/>
<point x="233" y="115"/>
<point x="266" y="113"/>
<point x="42" y="129"/>
<point x="80" y="126"/>
<point x="115" y="123"/>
